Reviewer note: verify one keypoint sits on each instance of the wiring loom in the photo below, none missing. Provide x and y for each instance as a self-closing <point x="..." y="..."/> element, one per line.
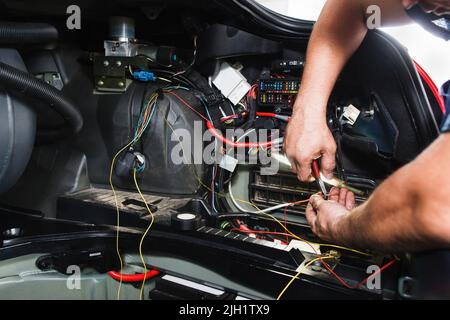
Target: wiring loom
<point x="264" y="212"/>
<point x="143" y="122"/>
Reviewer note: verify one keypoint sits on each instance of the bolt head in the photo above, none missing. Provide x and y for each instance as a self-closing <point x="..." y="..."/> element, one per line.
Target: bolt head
<point x="100" y="83"/>
<point x="106" y="63"/>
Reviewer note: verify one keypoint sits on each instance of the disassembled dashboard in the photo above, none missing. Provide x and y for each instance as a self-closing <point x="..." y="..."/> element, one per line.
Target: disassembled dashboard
<point x="181" y="146"/>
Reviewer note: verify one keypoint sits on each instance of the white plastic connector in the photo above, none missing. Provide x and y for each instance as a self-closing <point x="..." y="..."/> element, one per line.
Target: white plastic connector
<point x="231" y="83"/>
<point x="228" y="163"/>
<point x="351" y="114"/>
<point x="303" y="246"/>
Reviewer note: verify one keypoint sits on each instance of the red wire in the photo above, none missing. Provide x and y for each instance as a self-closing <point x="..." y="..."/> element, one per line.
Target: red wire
<point x="431" y="85"/>
<point x="261" y="232"/>
<point x="242" y="228"/>
<point x="387" y="265"/>
<point x="259" y="114"/>
<point x="187" y="105"/>
<point x="233" y="116"/>
<point x="220" y="137"/>
<point x="266" y="114"/>
<point x="139" y="277"/>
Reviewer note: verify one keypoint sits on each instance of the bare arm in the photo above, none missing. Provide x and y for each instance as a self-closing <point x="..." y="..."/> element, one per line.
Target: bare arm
<point x="337" y="34"/>
<point x="410" y="211"/>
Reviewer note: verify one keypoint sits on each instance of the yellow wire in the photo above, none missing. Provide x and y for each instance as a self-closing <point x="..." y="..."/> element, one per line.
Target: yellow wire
<point x="117" y="207"/>
<point x="208" y="188"/>
<point x="300" y="272"/>
<point x="117" y="213"/>
<point x="145" y="233"/>
<point x="164" y="79"/>
<point x="301" y="239"/>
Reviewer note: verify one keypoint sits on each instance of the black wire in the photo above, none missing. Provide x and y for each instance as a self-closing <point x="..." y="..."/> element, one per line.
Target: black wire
<point x="182" y="79"/>
<point x="194" y="59"/>
<point x="251" y="116"/>
<point x="337" y="134"/>
<point x="233" y="215"/>
<point x="222" y="203"/>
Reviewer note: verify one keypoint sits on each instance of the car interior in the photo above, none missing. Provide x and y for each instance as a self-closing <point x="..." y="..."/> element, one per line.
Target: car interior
<point x="93" y="115"/>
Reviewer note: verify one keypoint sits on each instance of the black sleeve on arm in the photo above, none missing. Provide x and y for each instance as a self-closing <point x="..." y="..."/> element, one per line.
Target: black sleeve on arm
<point x="445" y="127"/>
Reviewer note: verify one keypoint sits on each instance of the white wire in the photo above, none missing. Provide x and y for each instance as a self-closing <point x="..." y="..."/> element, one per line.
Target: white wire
<point x="233" y="199"/>
<point x="245" y="134"/>
<point x="210" y="81"/>
<point x="238" y="206"/>
<point x="193" y="60"/>
<point x="212" y="180"/>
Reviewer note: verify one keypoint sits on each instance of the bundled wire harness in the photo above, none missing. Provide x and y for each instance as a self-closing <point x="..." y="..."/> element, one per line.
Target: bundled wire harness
<point x="249" y="115"/>
<point x="26" y="84"/>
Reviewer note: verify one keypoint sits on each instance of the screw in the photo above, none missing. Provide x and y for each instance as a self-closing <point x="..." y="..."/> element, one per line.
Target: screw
<point x="118" y="63"/>
<point x="100" y="83"/>
<point x="106" y="63"/>
<point x="121" y="84"/>
<point x="369" y="113"/>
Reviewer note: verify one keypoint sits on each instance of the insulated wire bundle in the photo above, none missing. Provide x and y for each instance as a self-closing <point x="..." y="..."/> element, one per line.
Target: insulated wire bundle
<point x="143" y="122"/>
<point x="234" y="200"/>
<point x="145" y="117"/>
<point x="303" y="268"/>
<point x="264" y="212"/>
<point x="145" y="233"/>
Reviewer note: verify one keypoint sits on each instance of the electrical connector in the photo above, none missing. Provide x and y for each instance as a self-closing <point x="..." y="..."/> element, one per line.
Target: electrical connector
<point x="231" y="83"/>
<point x="144" y="76"/>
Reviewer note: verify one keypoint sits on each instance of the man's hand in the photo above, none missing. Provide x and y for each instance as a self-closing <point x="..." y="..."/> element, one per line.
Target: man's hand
<point x="307" y="139"/>
<point x="324" y="216"/>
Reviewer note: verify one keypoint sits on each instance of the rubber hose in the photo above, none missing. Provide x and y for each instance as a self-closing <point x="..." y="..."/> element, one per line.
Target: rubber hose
<point x="27" y="33"/>
<point x="29" y="86"/>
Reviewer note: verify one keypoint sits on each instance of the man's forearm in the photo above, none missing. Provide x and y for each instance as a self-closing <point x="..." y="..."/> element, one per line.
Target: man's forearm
<point x="385" y="221"/>
<point x="410" y="211"/>
<point x="338" y="33"/>
<point x="336" y="36"/>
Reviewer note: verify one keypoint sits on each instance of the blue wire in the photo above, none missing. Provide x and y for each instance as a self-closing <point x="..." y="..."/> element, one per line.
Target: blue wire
<point x="155" y="105"/>
<point x="140" y="168"/>
<point x="206" y="109"/>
